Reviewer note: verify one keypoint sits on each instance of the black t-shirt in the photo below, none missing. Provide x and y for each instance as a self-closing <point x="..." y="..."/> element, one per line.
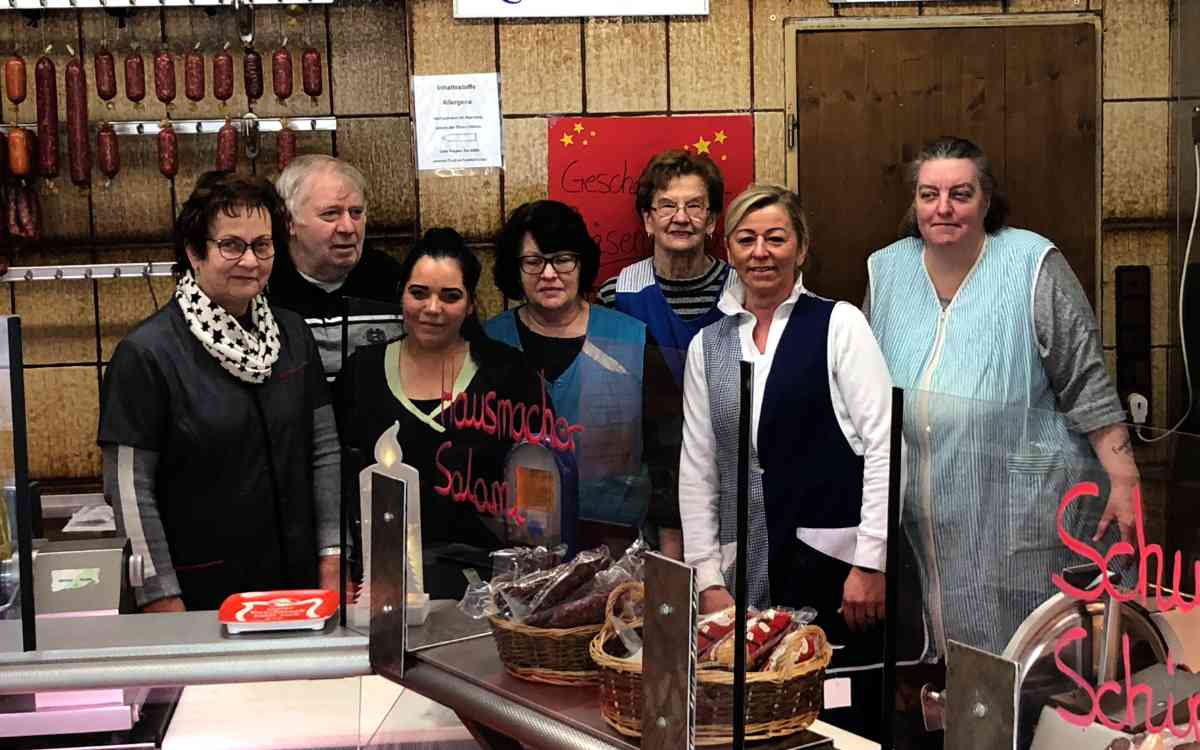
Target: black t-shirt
<point x="223" y="513"/>
<point x="552" y="355"/>
<point x="457" y="532"/>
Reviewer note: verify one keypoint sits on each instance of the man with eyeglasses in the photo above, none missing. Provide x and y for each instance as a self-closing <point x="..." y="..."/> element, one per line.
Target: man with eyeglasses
<point x="675" y="291"/>
<point x="347" y="292"/>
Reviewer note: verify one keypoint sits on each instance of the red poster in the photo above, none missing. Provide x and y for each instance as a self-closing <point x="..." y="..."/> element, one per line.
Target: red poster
<point x="595" y="163"/>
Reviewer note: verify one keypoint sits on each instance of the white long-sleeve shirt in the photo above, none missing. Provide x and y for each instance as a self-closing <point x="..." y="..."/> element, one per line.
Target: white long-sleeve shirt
<point x="860" y="389"/>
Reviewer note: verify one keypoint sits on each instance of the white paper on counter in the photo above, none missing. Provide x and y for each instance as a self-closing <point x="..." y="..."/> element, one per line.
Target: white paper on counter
<point x="458" y="121"/>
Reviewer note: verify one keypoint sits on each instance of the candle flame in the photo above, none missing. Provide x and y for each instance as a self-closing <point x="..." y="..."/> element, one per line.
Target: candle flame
<point x="387" y="447"/>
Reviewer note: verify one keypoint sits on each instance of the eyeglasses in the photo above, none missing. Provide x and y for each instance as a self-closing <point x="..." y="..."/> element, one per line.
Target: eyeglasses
<point x="233" y="248"/>
<point x="562" y="262"/>
<point x="667" y="210"/>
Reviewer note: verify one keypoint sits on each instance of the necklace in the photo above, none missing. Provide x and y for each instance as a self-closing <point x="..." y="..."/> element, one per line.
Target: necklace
<point x="548" y="327"/>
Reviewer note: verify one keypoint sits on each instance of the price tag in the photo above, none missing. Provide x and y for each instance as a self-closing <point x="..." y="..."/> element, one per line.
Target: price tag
<point x="837" y="692"/>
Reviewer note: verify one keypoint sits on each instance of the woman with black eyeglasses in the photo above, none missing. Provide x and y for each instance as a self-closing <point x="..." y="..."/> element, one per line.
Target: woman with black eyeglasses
<point x="220" y="451"/>
<point x="602" y="368"/>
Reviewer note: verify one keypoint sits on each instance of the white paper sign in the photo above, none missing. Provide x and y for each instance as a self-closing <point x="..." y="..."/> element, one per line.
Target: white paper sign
<point x="577" y="8"/>
<point x="837" y="692"/>
<point x="458" y="121"/>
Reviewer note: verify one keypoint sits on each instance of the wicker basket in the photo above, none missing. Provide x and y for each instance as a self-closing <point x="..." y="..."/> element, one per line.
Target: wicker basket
<point x="553" y="656"/>
<point x="777" y="703"/>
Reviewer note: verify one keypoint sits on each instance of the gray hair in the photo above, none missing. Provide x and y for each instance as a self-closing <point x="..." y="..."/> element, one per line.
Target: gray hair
<point x="953" y="147"/>
<point x="291" y="181"/>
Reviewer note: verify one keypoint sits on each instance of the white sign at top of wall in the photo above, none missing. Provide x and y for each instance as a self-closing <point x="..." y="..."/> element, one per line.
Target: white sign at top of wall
<point x="574" y="8"/>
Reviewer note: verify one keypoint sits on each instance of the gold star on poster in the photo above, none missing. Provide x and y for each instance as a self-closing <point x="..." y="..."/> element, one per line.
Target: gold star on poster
<point x="702" y="146"/>
<point x="720" y="137"/>
<point x="567" y="139"/>
<point x="579" y="127"/>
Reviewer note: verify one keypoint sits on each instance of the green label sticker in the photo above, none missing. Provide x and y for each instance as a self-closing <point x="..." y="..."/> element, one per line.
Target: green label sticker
<point x="73" y="578"/>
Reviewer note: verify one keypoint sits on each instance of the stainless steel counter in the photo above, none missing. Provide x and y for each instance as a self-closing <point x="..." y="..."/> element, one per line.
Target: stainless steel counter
<point x="186" y="648"/>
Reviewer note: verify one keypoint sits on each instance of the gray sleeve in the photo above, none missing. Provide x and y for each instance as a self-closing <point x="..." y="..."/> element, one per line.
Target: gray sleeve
<point x="608" y="293"/>
<point x="1072" y="352"/>
<point x="129" y="488"/>
<point x="866" y="303"/>
<point x="327" y="477"/>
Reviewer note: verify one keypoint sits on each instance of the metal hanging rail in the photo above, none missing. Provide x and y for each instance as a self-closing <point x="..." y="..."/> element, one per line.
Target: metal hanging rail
<point x="77" y="4"/>
<point x="87" y="272"/>
<point x="192" y="127"/>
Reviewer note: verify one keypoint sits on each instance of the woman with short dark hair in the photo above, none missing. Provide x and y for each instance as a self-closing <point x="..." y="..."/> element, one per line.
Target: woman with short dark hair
<point x="602" y="368"/>
<point x="218" y="440"/>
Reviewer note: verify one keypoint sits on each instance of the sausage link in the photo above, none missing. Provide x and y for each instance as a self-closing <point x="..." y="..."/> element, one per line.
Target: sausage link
<point x="281" y="73"/>
<point x="310" y="72"/>
<point x="168" y="152"/>
<point x="135" y="77"/>
<point x="106" y="74"/>
<point x="79" y="148"/>
<point x="4" y="214"/>
<point x="227" y="143"/>
<point x="29" y="213"/>
<point x="4" y="174"/>
<point x="20" y="152"/>
<point x="193" y="76"/>
<point x="223" y="75"/>
<point x="45" y="79"/>
<point x="252" y="72"/>
<point x="10" y="206"/>
<point x="108" y="153"/>
<point x="14" y="79"/>
<point x="164" y="77"/>
<point x="285" y="145"/>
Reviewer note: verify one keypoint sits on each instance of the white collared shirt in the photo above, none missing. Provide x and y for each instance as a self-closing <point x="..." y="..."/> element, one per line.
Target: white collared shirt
<point x="860" y="389"/>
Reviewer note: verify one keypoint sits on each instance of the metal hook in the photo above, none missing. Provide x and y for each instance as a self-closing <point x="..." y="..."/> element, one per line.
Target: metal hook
<point x="312" y="124"/>
<point x="244" y="10"/>
<point x="116" y="273"/>
<point x="58" y="274"/>
<point x="87" y="273"/>
<point x="250" y="128"/>
<point x="29" y="275"/>
<point x="147" y="269"/>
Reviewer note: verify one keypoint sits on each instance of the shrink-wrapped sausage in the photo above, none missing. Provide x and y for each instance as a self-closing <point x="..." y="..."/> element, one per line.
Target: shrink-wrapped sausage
<point x="193" y="76"/>
<point x="285" y="146"/>
<point x="227" y="142"/>
<point x="310" y="72"/>
<point x="20" y="152"/>
<point x="223" y="75"/>
<point x="14" y="79"/>
<point x="135" y="77"/>
<point x="252" y="72"/>
<point x="79" y="150"/>
<point x="164" y="77"/>
<point x="108" y="154"/>
<point x="29" y="213"/>
<point x="281" y="73"/>
<point x="45" y="78"/>
<point x="168" y="152"/>
<point x="106" y="74"/>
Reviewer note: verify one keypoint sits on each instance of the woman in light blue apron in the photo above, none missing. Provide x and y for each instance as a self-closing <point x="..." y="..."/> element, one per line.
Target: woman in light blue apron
<point x="990" y="331"/>
<point x="601" y="369"/>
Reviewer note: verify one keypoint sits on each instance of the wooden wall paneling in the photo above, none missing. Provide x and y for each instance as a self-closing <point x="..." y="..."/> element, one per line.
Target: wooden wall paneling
<point x="1050" y="91"/>
<point x="123" y="303"/>
<point x="1045" y="6"/>
<point x="197" y="155"/>
<point x="876" y="11"/>
<point x="1137" y="51"/>
<point x="185" y="27"/>
<point x="1136" y="164"/>
<point x="525" y="169"/>
<point x="382" y="148"/>
<point x="469" y="203"/>
<point x="62" y="408"/>
<point x="143" y="28"/>
<point x="488" y="299"/>
<point x="299" y="26"/>
<point x="1139" y="247"/>
<point x="972" y="96"/>
<point x="369" y="57"/>
<point x="29" y="39"/>
<point x="770" y="45"/>
<point x="710" y="60"/>
<point x="58" y="318"/>
<point x="963" y="9"/>
<point x="395" y="247"/>
<point x="626" y="64"/>
<point x="136" y="204"/>
<point x="444" y="45"/>
<point x="65" y="207"/>
<point x="267" y="162"/>
<point x="770" y="148"/>
<point x="541" y="62"/>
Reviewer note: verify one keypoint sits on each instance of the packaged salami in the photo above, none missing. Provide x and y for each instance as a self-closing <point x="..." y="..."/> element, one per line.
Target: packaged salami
<point x="569" y="577"/>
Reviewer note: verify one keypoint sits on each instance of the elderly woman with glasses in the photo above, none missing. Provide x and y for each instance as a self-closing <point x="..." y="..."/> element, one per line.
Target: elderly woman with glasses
<point x="219" y="448"/>
<point x="602" y="369"/>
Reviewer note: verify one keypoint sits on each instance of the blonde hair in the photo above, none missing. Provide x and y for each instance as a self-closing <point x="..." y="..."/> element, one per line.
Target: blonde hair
<point x="761" y="195"/>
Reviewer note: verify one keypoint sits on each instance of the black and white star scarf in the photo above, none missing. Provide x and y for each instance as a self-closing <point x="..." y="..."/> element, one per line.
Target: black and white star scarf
<point x="247" y="355"/>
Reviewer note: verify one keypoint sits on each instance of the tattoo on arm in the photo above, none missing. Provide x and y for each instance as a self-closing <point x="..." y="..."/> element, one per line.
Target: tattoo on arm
<point x="1125" y="447"/>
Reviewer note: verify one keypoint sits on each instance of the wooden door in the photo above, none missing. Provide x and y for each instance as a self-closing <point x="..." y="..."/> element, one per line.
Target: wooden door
<point x="866" y="102"/>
